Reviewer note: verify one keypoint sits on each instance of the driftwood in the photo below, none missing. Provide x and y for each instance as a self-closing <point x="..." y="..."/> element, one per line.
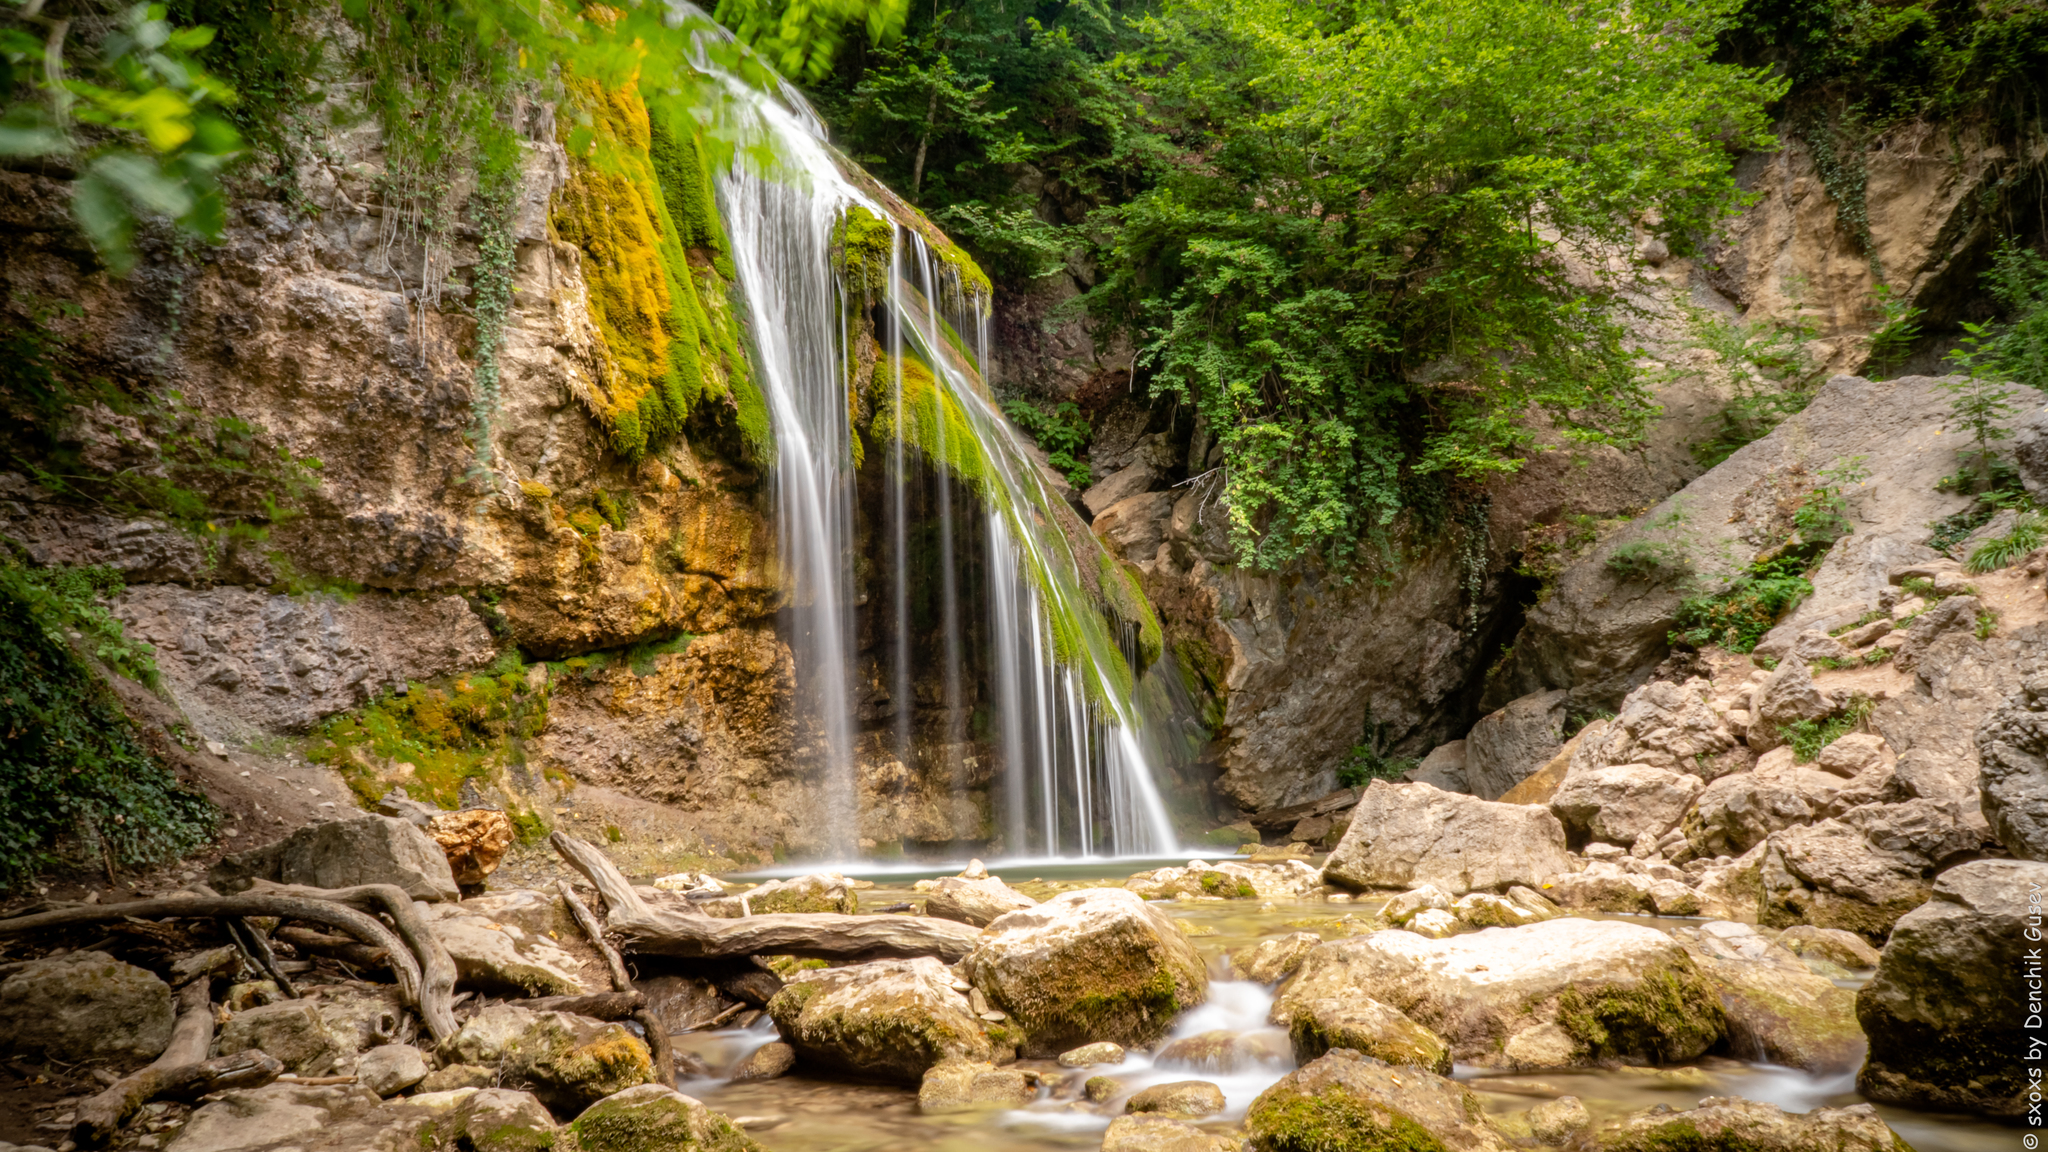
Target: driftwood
<point x="437" y="969"/>
<point x="315" y="943"/>
<point x="182" y="1072"/>
<point x="255" y="946"/>
<point x="640" y="927"/>
<point x="597" y="1005"/>
<point x="658" y="1045"/>
<point x="318" y="911"/>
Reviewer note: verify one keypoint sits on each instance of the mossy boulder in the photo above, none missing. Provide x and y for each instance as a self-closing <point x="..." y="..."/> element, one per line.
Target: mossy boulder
<point x="1178" y="1098"/>
<point x="817" y="892"/>
<point x="655" y="1118"/>
<point x="1615" y="991"/>
<point x="973" y="901"/>
<point x="967" y="1086"/>
<point x="568" y="1062"/>
<point x="1777" y="1009"/>
<point x="1274" y="959"/>
<point x="85" y="1007"/>
<point x="1348" y="1102"/>
<point x="1363" y="1025"/>
<point x="498" y="1120"/>
<point x="1731" y="1124"/>
<point x="1096" y="964"/>
<point x="888" y="1019"/>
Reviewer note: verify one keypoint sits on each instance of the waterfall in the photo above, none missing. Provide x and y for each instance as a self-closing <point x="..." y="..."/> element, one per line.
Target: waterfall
<point x="1074" y="778"/>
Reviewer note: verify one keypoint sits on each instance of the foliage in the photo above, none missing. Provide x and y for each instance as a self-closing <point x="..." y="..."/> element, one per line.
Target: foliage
<point x="1738" y="616"/>
<point x="133" y="113"/>
<point x="1650" y="561"/>
<point x="1061" y="430"/>
<point x="1991" y="356"/>
<point x="67" y="602"/>
<point x="2029" y="531"/>
<point x="1351" y="274"/>
<point x="1894" y="339"/>
<point x="70" y="763"/>
<point x="803" y="37"/>
<point x="1370" y="760"/>
<point x="1547" y="549"/>
<point x="1823" y="516"/>
<point x="450" y="731"/>
<point x="1769" y="374"/>
<point x="1808" y="737"/>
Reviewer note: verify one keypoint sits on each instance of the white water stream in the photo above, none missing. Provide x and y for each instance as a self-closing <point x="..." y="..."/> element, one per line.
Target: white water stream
<point x="1074" y="777"/>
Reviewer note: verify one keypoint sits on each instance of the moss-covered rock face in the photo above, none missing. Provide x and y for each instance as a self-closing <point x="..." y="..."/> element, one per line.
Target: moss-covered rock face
<point x="1368" y="1026"/>
<point x="1097" y="964"/>
<point x="889" y="1019"/>
<point x="653" y="1118"/>
<point x="1346" y="1102"/>
<point x="568" y="1062"/>
<point x="1777" y="1009"/>
<point x="1731" y="1124"/>
<point x="1602" y="989"/>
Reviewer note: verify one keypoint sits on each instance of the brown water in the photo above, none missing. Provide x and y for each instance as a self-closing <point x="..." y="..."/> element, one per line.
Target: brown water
<point x="799" y="1113"/>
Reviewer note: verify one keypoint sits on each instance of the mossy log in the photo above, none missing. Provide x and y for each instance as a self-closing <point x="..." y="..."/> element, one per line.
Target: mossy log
<point x="640" y="927"/>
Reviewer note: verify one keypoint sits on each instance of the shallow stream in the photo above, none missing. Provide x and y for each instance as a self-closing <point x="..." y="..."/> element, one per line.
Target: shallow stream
<point x="799" y="1113"/>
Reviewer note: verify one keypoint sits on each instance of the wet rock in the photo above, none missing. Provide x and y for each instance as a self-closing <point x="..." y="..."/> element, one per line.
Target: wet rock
<point x="1315" y="1027"/>
<point x="85" y="1007"/>
<point x="391" y="1069"/>
<point x="765" y="1063"/>
<point x="1829" y="875"/>
<point x="1346" y="1100"/>
<point x="1096" y="964"/>
<point x="496" y="954"/>
<point x="1945" y="1011"/>
<point x="474" y="840"/>
<point x="2012" y="749"/>
<point x="366" y="849"/>
<point x="1618" y="804"/>
<point x="818" y="892"/>
<point x="498" y="1120"/>
<point x="973" y="902"/>
<point x="1414" y="901"/>
<point x="889" y="1019"/>
<point x="1434" y="923"/>
<point x="1508" y="745"/>
<point x="293" y="1032"/>
<point x="1272" y="960"/>
<point x="1485" y="910"/>
<point x="1100" y="1088"/>
<point x="1845" y="949"/>
<point x="1405" y="834"/>
<point x="1149" y="1133"/>
<point x="963" y="1085"/>
<point x="1620" y="991"/>
<point x="568" y="1062"/>
<point x="1556" y="1121"/>
<point x="653" y="1116"/>
<point x="1731" y="1124"/>
<point x="1228" y="880"/>
<point x="1778" y="1011"/>
<point x="1178" y="1098"/>
<point x="1220" y="1050"/>
<point x="1088" y="1055"/>
<point x="1603" y="886"/>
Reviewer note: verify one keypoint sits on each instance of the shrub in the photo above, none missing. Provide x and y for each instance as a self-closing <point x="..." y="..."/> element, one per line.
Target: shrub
<point x="2028" y="533"/>
<point x="1063" y="432"/>
<point x="1738" y="617"/>
<point x="1808" y="737"/>
<point x="1651" y="561"/>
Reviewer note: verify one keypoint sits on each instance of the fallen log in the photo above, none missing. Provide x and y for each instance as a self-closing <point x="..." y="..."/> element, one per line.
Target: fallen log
<point x="597" y="1005"/>
<point x="182" y="1072"/>
<point x="436" y="1002"/>
<point x="317" y="911"/>
<point x="641" y="927"/>
<point x="658" y="1045"/>
<point x="315" y="943"/>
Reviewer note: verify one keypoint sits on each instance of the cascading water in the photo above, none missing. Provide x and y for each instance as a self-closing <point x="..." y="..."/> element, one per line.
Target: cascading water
<point x="1074" y="778"/>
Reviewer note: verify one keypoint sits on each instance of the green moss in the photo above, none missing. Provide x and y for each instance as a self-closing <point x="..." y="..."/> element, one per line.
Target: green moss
<point x="1283" y="1120"/>
<point x="1670" y="1015"/>
<point x="1417" y="1048"/>
<point x="450" y="730"/>
<point x="512" y="1138"/>
<point x="663" y="1124"/>
<point x="862" y="243"/>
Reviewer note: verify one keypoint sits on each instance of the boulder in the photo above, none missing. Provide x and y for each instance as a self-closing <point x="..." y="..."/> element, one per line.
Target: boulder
<point x="1951" y="615"/>
<point x="1732" y="1124"/>
<point x="1345" y="1100"/>
<point x="1228" y="880"/>
<point x="1618" y="991"/>
<point x="1445" y="767"/>
<point x="1178" y="1098"/>
<point x="1851" y="755"/>
<point x="1151" y="1133"/>
<point x="764" y="1063"/>
<point x="496" y="954"/>
<point x="452" y="1077"/>
<point x="85" y="1008"/>
<point x="391" y="1068"/>
<point x="1405" y="834"/>
<point x="2012" y="754"/>
<point x="1842" y="949"/>
<point x="1734" y="890"/>
<point x="366" y="849"/>
<point x="1095" y="964"/>
<point x="1664" y="725"/>
<point x="1089" y="1055"/>
<point x="1778" y="1011"/>
<point x="1485" y="910"/>
<point x="1813" y="645"/>
<point x="1830" y="876"/>
<point x="973" y="902"/>
<point x="1272" y="960"/>
<point x="263" y="1118"/>
<point x="965" y="1085"/>
<point x="497" y="1120"/>
<point x="1924" y="833"/>
<point x="293" y="1032"/>
<point x="1222" y="1050"/>
<point x="1507" y="746"/>
<point x="1735" y="813"/>
<point x="1435" y="923"/>
<point x="1619" y="804"/>
<point x="654" y="1116"/>
<point x="2030" y="451"/>
<point x="1556" y="1121"/>
<point x="568" y="1062"/>
<point x="1315" y="1027"/>
<point x="817" y="892"/>
<point x="474" y="841"/>
<point x="1947" y="1011"/>
<point x="1421" y="898"/>
<point x="887" y="1019"/>
<point x="1786" y="697"/>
